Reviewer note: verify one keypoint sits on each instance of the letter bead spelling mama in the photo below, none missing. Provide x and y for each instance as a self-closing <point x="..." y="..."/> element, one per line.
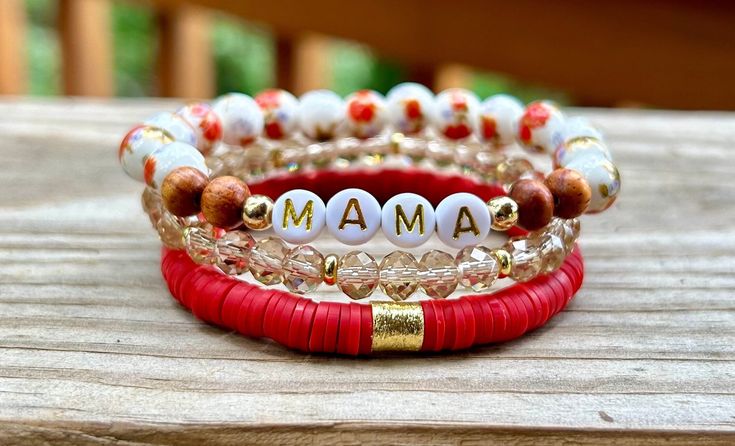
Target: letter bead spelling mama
<point x="462" y="219"/>
<point x="299" y="216"/>
<point x="353" y="216"/>
<point x="408" y="220"/>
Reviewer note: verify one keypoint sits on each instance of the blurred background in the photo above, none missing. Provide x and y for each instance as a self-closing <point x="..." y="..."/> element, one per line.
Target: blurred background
<point x="665" y="54"/>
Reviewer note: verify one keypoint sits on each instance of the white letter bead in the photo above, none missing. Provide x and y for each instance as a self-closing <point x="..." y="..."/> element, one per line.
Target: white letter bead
<point x="167" y="158"/>
<point x="353" y="216"/>
<point x="299" y="216"/>
<point x="462" y="219"/>
<point x="408" y="220"/>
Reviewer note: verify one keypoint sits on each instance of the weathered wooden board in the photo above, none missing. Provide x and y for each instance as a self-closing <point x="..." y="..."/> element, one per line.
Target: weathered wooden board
<point x="93" y="351"/>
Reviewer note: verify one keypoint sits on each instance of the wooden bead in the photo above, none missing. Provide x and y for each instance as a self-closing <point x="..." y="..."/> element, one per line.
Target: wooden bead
<point x="535" y="203"/>
<point x="182" y="189"/>
<point x="571" y="192"/>
<point x="222" y="201"/>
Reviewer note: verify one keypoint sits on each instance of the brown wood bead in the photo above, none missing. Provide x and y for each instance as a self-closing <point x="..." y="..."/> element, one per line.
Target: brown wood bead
<point x="535" y="203"/>
<point x="222" y="201"/>
<point x="571" y="192"/>
<point x="182" y="189"/>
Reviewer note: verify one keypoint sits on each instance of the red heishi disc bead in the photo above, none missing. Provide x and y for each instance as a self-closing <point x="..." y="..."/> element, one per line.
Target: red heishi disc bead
<point x="558" y="292"/>
<point x="429" y="325"/>
<point x="304" y="328"/>
<point x="286" y="319"/>
<point x="541" y="308"/>
<point x="316" y="341"/>
<point x="566" y="284"/>
<point x="231" y="304"/>
<point x="500" y="319"/>
<point x="242" y="314"/>
<point x="332" y="329"/>
<point x="483" y="324"/>
<point x="199" y="295"/>
<point x="450" y="323"/>
<point x="292" y="341"/>
<point x="526" y="306"/>
<point x="366" y="329"/>
<point x="441" y="325"/>
<point x="511" y="328"/>
<point x="465" y="331"/>
<point x="344" y="328"/>
<point x="353" y="342"/>
<point x="223" y="287"/>
<point x="253" y="322"/>
<point x="272" y="313"/>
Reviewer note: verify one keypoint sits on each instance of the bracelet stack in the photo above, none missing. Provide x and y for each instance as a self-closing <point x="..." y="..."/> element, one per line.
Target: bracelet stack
<point x="245" y="185"/>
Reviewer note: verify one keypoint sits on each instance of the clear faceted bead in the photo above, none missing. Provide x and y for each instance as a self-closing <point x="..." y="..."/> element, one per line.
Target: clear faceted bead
<point x="170" y="231"/>
<point x="438" y="274"/>
<point x="303" y="269"/>
<point x="526" y="259"/>
<point x="513" y="169"/>
<point x="567" y="231"/>
<point x="233" y="252"/>
<point x="478" y="267"/>
<point x="152" y="205"/>
<point x="200" y="244"/>
<point x="357" y="274"/>
<point x="399" y="275"/>
<point x="266" y="260"/>
<point x="552" y="251"/>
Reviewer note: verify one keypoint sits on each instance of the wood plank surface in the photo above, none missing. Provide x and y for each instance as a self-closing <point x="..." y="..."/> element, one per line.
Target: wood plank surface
<point x="94" y="351"/>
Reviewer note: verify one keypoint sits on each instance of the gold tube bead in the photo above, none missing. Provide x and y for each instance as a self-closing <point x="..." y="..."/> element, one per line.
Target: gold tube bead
<point x="331" y="262"/>
<point x="505" y="261"/>
<point x="397" y="326"/>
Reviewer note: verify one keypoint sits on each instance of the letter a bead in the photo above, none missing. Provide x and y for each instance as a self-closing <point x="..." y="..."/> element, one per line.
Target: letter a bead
<point x="299" y="216"/>
<point x="462" y="219"/>
<point x="353" y="216"/>
<point x="408" y="220"/>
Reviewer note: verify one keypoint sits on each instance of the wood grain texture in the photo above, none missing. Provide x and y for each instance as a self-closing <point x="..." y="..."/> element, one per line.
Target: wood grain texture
<point x="94" y="351"/>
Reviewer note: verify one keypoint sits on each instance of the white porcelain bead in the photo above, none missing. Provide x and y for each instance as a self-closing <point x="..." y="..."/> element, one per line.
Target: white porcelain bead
<point x="206" y="124"/>
<point x="456" y="113"/>
<point x="498" y="118"/>
<point x="462" y="219"/>
<point x="366" y="113"/>
<point x="167" y="158"/>
<point x="578" y="149"/>
<point x="320" y="114"/>
<point x="242" y="120"/>
<point x="299" y="216"/>
<point x="408" y="220"/>
<point x="603" y="178"/>
<point x="279" y="109"/>
<point x="353" y="216"/>
<point x="176" y="125"/>
<point x="541" y="127"/>
<point x="410" y="107"/>
<point x="579" y="127"/>
<point x="138" y="145"/>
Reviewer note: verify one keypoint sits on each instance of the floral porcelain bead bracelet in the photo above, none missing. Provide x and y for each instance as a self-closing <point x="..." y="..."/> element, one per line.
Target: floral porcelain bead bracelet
<point x="320" y="162"/>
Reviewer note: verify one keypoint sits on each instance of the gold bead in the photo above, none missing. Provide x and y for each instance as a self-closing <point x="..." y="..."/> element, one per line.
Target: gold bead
<point x="396" y="142"/>
<point x="397" y="326"/>
<point x="330" y="269"/>
<point x="504" y="213"/>
<point x="257" y="212"/>
<point x="505" y="260"/>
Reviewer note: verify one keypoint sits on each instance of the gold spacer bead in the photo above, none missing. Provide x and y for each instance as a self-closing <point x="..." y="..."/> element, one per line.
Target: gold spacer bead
<point x="257" y="212"/>
<point x="331" y="262"/>
<point x="504" y="213"/>
<point x="397" y="326"/>
<point x="505" y="260"/>
<point x="396" y="141"/>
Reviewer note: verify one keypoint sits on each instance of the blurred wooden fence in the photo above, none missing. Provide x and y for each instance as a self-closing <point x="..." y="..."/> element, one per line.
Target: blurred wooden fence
<point x="676" y="53"/>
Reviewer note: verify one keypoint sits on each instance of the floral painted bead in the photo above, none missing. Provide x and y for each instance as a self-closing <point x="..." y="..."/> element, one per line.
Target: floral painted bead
<point x="497" y="119"/>
<point x="456" y="110"/>
<point x="279" y="109"/>
<point x="603" y="178"/>
<point x="242" y="120"/>
<point x="169" y="157"/>
<point x="206" y="125"/>
<point x="299" y="216"/>
<point x="320" y="114"/>
<point x="462" y="219"/>
<point x="410" y="107"/>
<point x="580" y="148"/>
<point x="138" y="145"/>
<point x="366" y="113"/>
<point x="176" y="125"/>
<point x="541" y="127"/>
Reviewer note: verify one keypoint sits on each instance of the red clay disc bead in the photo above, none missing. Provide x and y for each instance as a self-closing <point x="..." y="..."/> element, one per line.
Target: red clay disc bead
<point x="572" y="193"/>
<point x="222" y="201"/>
<point x="182" y="189"/>
<point x="535" y="203"/>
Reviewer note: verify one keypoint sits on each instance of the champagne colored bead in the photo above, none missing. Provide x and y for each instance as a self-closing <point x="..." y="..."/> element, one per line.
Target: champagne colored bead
<point x="505" y="262"/>
<point x="257" y="212"/>
<point x="357" y="274"/>
<point x="152" y="204"/>
<point x="478" y="267"/>
<point x="410" y="107"/>
<point x="571" y="192"/>
<point x="331" y="266"/>
<point x="567" y="231"/>
<point x="137" y="146"/>
<point x="366" y="113"/>
<point x="279" y="109"/>
<point x="200" y="244"/>
<point x="233" y="252"/>
<point x="527" y="262"/>
<point x="512" y="170"/>
<point x="302" y="269"/>
<point x="223" y="200"/>
<point x="552" y="251"/>
<point x="399" y="275"/>
<point x="170" y="230"/>
<point x="535" y="204"/>
<point x="541" y="127"/>
<point x="503" y="212"/>
<point x="182" y="189"/>
<point x="438" y="275"/>
<point x="266" y="260"/>
<point x="206" y="124"/>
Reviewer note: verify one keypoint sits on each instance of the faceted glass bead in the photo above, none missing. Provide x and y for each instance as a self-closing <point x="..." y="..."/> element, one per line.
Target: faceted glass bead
<point x="513" y="169"/>
<point x="552" y="251"/>
<point x="527" y="261"/>
<point x="152" y="204"/>
<point x="266" y="260"/>
<point x="303" y="269"/>
<point x="438" y="274"/>
<point x="357" y="274"/>
<point x="399" y="275"/>
<point x="200" y="244"/>
<point x="567" y="231"/>
<point x="170" y="231"/>
<point x="233" y="252"/>
<point x="478" y="267"/>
